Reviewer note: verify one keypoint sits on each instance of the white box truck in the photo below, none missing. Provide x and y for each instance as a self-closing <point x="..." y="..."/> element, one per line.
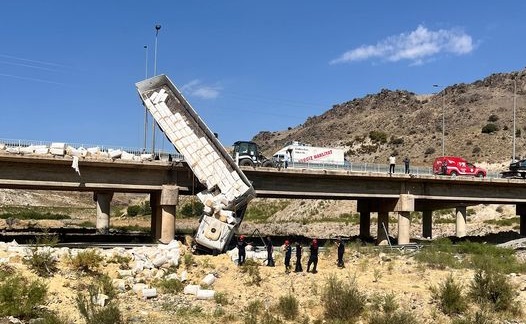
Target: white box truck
<point x="305" y="153"/>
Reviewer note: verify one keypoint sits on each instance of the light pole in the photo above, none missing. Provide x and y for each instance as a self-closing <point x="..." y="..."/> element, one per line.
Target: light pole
<point x="157" y="28"/>
<point x="443" y="117"/>
<point x="145" y="109"/>
<point x="514" y="108"/>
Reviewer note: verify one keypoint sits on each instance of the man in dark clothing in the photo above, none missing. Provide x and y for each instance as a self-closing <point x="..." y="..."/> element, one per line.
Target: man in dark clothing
<point x="313" y="258"/>
<point x="298" y="268"/>
<point x="270" y="249"/>
<point x="406" y="164"/>
<point x="341" y="250"/>
<point x="241" y="245"/>
<point x="288" y="254"/>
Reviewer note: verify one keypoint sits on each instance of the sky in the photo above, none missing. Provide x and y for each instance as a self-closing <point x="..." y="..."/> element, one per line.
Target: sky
<point x="68" y="68"/>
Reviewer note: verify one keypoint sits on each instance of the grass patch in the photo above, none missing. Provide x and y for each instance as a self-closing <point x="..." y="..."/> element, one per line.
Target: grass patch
<point x="251" y="269"/>
<point x="169" y="286"/>
<point x="503" y="221"/>
<point x="34" y="215"/>
<point x="494" y="290"/>
<point x="288" y="307"/>
<point x="41" y="262"/>
<point x="132" y="228"/>
<point x="20" y="297"/>
<point x="342" y="301"/>
<point x="94" y="312"/>
<point x="260" y="211"/>
<point x="86" y="261"/>
<point x="449" y="296"/>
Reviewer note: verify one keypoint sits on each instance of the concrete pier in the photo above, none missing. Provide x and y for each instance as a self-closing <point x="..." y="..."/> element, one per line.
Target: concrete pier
<point x="381" y="237"/>
<point x="365" y="224"/>
<point x="461" y="223"/>
<point x="168" y="203"/>
<point x="404" y="226"/>
<point x="103" y="200"/>
<point x="427" y="224"/>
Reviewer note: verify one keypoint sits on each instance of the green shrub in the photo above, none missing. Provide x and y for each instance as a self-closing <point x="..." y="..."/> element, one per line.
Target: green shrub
<point x="251" y="268"/>
<point x="342" y="301"/>
<point x="192" y="209"/>
<point x="492" y="289"/>
<point x="87" y="261"/>
<point x="449" y="296"/>
<point x="251" y="312"/>
<point x="43" y="263"/>
<point x="94" y="313"/>
<point x="477" y="318"/>
<point x="21" y="298"/>
<point x="490" y="128"/>
<point x="188" y="260"/>
<point x="378" y="137"/>
<point x="493" y="118"/>
<point x="169" y="286"/>
<point x="221" y="298"/>
<point x="288" y="306"/>
<point x="429" y="150"/>
<point x="398" y="317"/>
<point x="133" y="210"/>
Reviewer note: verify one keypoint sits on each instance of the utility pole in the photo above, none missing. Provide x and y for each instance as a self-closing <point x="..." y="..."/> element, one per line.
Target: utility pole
<point x="157" y="28"/>
<point x="145" y="109"/>
<point x="443" y="117"/>
<point x="514" y="109"/>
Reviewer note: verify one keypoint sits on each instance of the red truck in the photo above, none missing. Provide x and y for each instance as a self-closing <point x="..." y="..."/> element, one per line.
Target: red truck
<point x="455" y="165"/>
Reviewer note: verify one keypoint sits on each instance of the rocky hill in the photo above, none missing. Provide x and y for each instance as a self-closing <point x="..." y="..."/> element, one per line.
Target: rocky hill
<point x="478" y="121"/>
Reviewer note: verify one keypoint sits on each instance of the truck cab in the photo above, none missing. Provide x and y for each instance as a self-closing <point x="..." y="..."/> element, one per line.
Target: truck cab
<point x="455" y="165"/>
<point x="246" y="153"/>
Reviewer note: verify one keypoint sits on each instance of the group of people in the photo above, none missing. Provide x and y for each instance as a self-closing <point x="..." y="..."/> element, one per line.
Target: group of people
<point x="392" y="164"/>
<point x="287" y="249"/>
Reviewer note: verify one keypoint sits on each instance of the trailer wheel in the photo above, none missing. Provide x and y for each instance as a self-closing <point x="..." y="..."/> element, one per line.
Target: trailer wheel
<point x="480" y="175"/>
<point x="453" y="173"/>
<point x="246" y="162"/>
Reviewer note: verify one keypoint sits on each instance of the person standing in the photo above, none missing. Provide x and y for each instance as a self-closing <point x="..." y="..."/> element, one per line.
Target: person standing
<point x="406" y="165"/>
<point x="241" y="245"/>
<point x="313" y="258"/>
<point x="341" y="251"/>
<point x="270" y="250"/>
<point x="286" y="160"/>
<point x="288" y="254"/>
<point x="392" y="163"/>
<point x="298" y="268"/>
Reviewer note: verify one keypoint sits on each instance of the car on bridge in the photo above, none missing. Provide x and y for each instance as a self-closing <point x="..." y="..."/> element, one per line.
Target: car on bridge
<point x="455" y="165"/>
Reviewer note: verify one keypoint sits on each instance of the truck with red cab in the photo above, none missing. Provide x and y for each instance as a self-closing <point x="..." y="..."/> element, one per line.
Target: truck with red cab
<point x="455" y="165"/>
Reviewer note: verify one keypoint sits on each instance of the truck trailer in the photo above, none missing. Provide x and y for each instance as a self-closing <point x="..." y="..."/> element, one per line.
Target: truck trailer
<point x="306" y="154"/>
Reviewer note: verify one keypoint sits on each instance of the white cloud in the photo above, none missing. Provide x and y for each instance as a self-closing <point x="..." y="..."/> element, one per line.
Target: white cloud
<point x="417" y="46"/>
<point x="196" y="88"/>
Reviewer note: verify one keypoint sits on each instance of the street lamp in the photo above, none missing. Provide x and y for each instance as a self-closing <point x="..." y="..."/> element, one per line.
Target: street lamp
<point x="157" y="28"/>
<point x="514" y="108"/>
<point x="443" y="117"/>
<point x="145" y="109"/>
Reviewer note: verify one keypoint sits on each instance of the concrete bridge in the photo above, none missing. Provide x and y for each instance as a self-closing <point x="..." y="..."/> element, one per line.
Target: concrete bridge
<point x="164" y="181"/>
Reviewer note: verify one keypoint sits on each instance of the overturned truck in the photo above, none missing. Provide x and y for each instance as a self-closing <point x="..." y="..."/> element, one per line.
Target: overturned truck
<point x="228" y="191"/>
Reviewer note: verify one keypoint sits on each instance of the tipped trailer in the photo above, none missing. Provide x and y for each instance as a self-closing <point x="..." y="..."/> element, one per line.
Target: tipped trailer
<point x="228" y="190"/>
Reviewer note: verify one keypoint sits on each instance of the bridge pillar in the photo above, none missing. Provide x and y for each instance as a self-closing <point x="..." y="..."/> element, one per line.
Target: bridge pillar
<point x="520" y="209"/>
<point x="103" y="200"/>
<point x="404" y="206"/>
<point x="155" y="203"/>
<point x="427" y="224"/>
<point x="365" y="224"/>
<point x="383" y="221"/>
<point x="169" y="198"/>
<point x="461" y="221"/>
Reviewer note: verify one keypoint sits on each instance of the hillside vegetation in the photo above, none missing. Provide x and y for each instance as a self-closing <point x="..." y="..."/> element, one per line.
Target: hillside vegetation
<point x="478" y="123"/>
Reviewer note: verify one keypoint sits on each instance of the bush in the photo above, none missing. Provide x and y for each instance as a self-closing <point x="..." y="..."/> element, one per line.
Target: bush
<point x="20" y="297"/>
<point x="493" y="118"/>
<point x="251" y="268"/>
<point x="133" y="210"/>
<point x="429" y="150"/>
<point x="378" y="137"/>
<point x="399" y="317"/>
<point x="143" y="209"/>
<point x="342" y="301"/>
<point x="192" y="209"/>
<point x="396" y="141"/>
<point x="94" y="313"/>
<point x="43" y="263"/>
<point x="492" y="289"/>
<point x="477" y="318"/>
<point x="169" y="286"/>
<point x="449" y="296"/>
<point x="87" y="261"/>
<point x="288" y="307"/>
<point x="490" y="128"/>
<point x="221" y="298"/>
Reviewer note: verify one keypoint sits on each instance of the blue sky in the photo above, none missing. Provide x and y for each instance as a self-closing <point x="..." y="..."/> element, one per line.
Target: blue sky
<point x="68" y="68"/>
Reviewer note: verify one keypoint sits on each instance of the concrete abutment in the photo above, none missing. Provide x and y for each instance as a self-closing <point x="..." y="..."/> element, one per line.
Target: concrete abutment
<point x="103" y="200"/>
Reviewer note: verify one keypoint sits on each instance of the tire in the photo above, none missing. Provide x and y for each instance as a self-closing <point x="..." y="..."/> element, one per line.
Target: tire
<point x="480" y="175"/>
<point x="246" y="162"/>
<point x="267" y="164"/>
<point x="453" y="173"/>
